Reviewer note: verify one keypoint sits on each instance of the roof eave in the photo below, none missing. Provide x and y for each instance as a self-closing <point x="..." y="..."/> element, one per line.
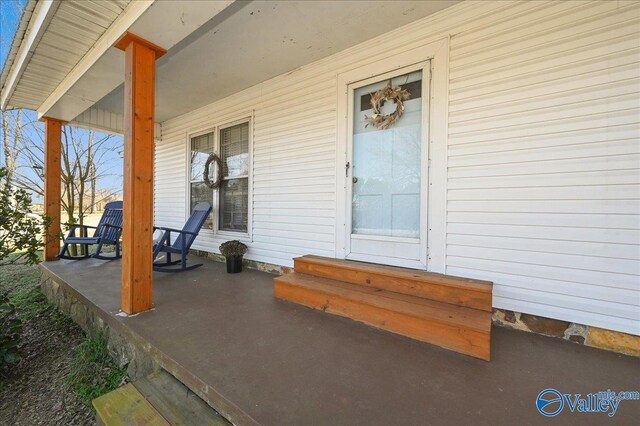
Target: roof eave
<point x="34" y="21"/>
<point x="17" y="39"/>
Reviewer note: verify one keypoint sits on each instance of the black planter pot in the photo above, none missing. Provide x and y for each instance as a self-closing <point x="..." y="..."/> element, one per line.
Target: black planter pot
<point x="234" y="264"/>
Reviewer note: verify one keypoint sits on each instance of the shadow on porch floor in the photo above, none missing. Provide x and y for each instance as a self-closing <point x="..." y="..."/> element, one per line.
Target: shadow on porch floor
<point x="279" y="363"/>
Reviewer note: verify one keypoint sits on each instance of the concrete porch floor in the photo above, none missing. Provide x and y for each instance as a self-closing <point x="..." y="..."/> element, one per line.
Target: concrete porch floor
<point x="259" y="359"/>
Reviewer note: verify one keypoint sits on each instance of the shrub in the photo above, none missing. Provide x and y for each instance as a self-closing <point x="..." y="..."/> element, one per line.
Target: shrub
<point x="10" y="332"/>
<point x="20" y="229"/>
<point x="233" y="248"/>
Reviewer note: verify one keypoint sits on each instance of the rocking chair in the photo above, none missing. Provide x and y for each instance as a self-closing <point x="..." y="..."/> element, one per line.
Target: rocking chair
<point x="182" y="242"/>
<point x="107" y="232"/>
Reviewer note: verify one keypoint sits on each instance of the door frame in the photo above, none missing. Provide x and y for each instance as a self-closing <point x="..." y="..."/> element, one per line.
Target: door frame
<point x="421" y="262"/>
<point x="436" y="53"/>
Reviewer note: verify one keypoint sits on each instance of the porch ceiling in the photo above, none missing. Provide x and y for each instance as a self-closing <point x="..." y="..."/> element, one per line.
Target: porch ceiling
<point x="216" y="49"/>
<point x="52" y="38"/>
<point x="254" y="41"/>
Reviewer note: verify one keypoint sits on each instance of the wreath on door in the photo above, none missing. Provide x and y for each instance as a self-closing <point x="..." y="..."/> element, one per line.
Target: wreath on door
<point x="216" y="183"/>
<point x="387" y="93"/>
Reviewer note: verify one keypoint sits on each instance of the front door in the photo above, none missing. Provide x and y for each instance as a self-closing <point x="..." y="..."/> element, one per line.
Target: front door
<point x="387" y="173"/>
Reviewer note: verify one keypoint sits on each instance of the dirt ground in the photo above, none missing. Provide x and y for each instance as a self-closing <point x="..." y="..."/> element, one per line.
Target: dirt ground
<point x="33" y="392"/>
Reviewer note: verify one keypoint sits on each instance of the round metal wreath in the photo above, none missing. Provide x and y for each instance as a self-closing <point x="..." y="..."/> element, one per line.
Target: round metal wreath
<point x="216" y="183"/>
<point x="387" y="93"/>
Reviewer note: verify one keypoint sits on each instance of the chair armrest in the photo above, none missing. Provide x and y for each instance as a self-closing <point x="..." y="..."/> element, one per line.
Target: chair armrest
<point x="77" y="225"/>
<point x="175" y="230"/>
<point x="72" y="230"/>
<point x="112" y="226"/>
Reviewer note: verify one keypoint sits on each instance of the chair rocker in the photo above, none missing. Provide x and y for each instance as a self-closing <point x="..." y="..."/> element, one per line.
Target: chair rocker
<point x="182" y="243"/>
<point x="108" y="231"/>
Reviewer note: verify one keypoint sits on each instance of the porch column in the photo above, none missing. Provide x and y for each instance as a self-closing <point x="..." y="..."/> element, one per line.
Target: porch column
<point x="137" y="230"/>
<point x="52" y="186"/>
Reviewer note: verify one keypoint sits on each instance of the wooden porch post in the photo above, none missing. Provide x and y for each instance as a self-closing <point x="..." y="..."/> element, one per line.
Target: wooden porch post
<point x="52" y="186"/>
<point x="139" y="122"/>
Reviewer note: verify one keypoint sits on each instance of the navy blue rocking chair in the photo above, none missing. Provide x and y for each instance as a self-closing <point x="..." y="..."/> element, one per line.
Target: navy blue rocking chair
<point x="108" y="231"/>
<point x="182" y="242"/>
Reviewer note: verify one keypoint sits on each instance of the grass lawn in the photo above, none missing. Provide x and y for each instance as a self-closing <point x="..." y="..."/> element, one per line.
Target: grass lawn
<point x="61" y="370"/>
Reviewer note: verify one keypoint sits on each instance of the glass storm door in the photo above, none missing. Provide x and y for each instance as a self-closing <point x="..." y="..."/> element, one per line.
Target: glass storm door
<point x="388" y="173"/>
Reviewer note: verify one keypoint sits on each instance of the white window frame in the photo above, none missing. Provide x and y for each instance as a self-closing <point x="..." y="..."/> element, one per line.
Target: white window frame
<point x="216" y="129"/>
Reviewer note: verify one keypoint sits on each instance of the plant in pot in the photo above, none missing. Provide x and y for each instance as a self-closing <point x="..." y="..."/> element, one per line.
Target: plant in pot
<point x="233" y="252"/>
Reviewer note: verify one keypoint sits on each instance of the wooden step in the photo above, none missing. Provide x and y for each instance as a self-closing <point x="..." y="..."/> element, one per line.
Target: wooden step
<point x="126" y="406"/>
<point x="158" y="399"/>
<point x="442" y="288"/>
<point x="177" y="403"/>
<point x="461" y="329"/>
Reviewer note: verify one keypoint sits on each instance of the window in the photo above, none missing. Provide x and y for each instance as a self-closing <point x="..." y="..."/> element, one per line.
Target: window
<point x="234" y="191"/>
<point x="201" y="147"/>
<point x="231" y="209"/>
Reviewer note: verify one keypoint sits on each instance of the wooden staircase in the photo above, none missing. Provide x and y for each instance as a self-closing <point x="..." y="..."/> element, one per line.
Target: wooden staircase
<point x="158" y="399"/>
<point x="451" y="312"/>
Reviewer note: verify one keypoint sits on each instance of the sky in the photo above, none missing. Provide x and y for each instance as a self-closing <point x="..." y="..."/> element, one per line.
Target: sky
<point x="10" y="13"/>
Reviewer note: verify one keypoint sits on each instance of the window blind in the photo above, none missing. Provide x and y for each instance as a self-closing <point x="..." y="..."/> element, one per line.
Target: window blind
<point x="234" y="191"/>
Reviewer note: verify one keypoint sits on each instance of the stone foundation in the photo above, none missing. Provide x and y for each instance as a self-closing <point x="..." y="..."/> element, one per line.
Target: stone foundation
<point x="577" y="333"/>
<point x="135" y="357"/>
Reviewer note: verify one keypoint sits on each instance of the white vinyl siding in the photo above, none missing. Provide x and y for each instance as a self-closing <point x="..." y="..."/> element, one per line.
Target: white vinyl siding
<point x="106" y="121"/>
<point x="543" y="161"/>
<point x="543" y="170"/>
<point x="293" y="171"/>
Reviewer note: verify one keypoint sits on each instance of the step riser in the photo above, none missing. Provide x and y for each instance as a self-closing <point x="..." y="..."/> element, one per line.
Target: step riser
<point x="469" y="342"/>
<point x="427" y="290"/>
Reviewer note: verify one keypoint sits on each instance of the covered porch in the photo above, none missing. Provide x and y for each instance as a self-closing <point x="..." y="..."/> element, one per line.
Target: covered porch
<point x="504" y="193"/>
<point x="256" y="359"/>
<point x="139" y="76"/>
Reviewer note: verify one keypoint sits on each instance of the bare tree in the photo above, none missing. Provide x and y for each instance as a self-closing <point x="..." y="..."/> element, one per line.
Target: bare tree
<point x="11" y="137"/>
<point x="85" y="159"/>
<point x="11" y="124"/>
<point x="92" y="178"/>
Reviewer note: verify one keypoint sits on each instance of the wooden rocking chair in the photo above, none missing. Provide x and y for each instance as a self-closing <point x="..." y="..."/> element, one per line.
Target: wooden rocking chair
<point x="182" y="242"/>
<point x="108" y="231"/>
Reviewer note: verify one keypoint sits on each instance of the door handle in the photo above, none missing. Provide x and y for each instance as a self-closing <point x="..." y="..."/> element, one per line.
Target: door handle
<point x="355" y="179"/>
